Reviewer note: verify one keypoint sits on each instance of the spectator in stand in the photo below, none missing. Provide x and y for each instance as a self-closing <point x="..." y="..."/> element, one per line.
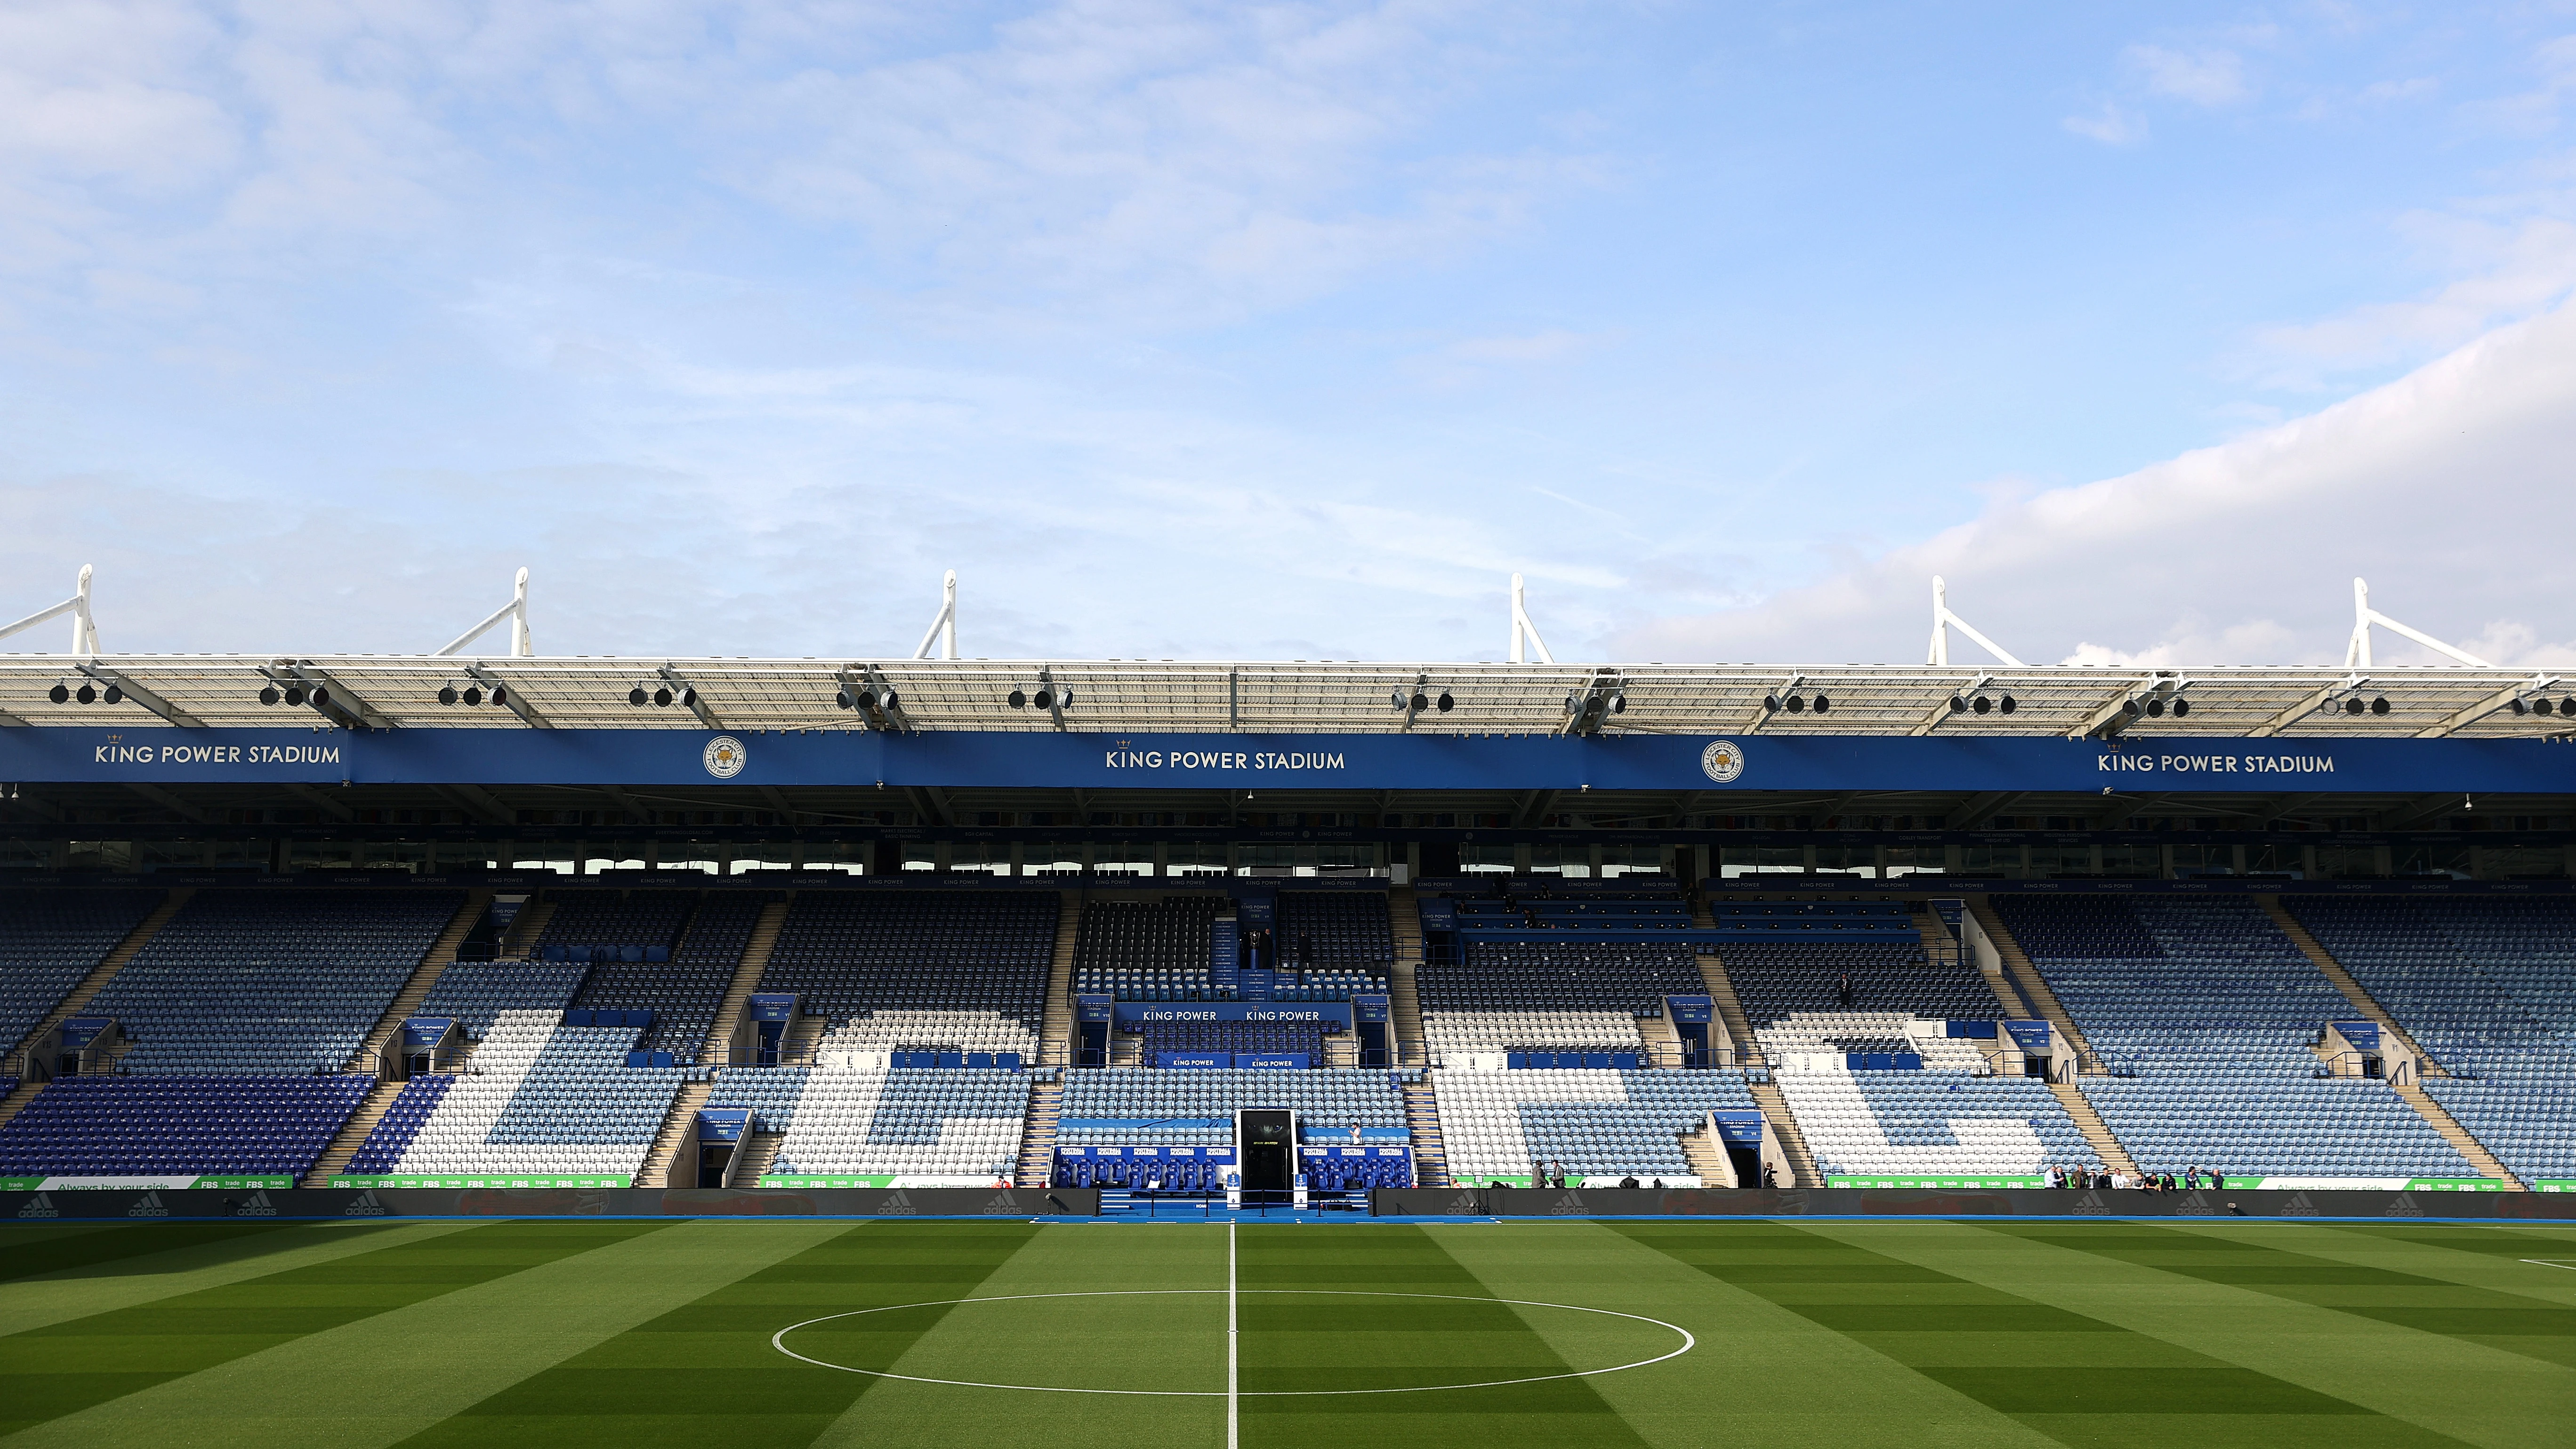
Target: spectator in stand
<point x="1631" y="1181"/>
<point x="1770" y="1175"/>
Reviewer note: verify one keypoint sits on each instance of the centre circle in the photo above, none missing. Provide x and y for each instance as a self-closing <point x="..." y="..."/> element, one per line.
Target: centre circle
<point x="1685" y="1342"/>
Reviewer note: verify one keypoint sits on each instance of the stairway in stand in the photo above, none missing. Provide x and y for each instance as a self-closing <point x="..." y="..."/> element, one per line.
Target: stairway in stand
<point x="352" y="1134"/>
<point x="2097" y="1133"/>
<point x="1037" y="1137"/>
<point x="525" y="928"/>
<point x="2017" y="965"/>
<point x="716" y="1050"/>
<point x="657" y="1169"/>
<point x="1404" y="1003"/>
<point x="104" y="972"/>
<point x="434" y="963"/>
<point x="1055" y="1028"/>
<point x="1783" y="1128"/>
<point x="1730" y="1007"/>
<point x="1706" y="1155"/>
<point x="2442" y="1121"/>
<point x="1422" y="1120"/>
<point x="1663" y="1044"/>
<point x="751" y="1162"/>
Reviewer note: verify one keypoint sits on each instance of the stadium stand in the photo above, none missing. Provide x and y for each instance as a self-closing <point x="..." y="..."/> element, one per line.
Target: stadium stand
<point x="181" y="1125"/>
<point x="1582" y="996"/>
<point x="2487" y="987"/>
<point x="919" y="970"/>
<point x="1599" y="1124"/>
<point x="50" y="940"/>
<point x="1932" y="1123"/>
<point x="1336" y="928"/>
<point x="403" y="1119"/>
<point x="608" y="920"/>
<point x="474" y="993"/>
<point x="1147" y="950"/>
<point x="264" y="982"/>
<point x="685" y="992"/>
<point x="2206" y="1017"/>
<point x="540" y="1097"/>
<point x="925" y="1126"/>
<point x="1229" y="1036"/>
<point x="1792" y="957"/>
<point x="1197" y="1108"/>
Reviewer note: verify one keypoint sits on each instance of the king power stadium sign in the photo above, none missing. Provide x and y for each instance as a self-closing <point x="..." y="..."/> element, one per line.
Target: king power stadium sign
<point x="1371" y="761"/>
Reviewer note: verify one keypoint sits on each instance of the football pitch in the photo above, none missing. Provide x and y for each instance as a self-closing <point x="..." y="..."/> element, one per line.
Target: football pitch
<point x="1910" y="1332"/>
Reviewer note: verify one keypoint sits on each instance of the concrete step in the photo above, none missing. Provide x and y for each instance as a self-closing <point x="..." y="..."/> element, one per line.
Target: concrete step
<point x="1782" y="1124"/>
<point x="1055" y="1029"/>
<point x="353" y="1134"/>
<point x="717" y="1049"/>
<point x="657" y="1168"/>
<point x="2433" y="1112"/>
<point x="2097" y="1133"/>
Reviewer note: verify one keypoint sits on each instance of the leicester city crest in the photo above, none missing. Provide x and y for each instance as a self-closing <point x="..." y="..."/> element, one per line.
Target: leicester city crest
<point x="724" y="757"/>
<point x="1722" y="761"/>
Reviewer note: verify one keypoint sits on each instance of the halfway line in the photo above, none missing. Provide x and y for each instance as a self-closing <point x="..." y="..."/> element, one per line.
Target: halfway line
<point x="1233" y="1399"/>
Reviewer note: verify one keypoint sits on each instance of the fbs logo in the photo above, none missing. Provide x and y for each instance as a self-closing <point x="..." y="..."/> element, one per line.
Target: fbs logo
<point x="1722" y="761"/>
<point x="724" y="757"/>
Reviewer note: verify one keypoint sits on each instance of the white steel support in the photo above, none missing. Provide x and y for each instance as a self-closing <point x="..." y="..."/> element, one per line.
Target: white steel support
<point x="84" y="629"/>
<point x="1943" y="621"/>
<point x="516" y="611"/>
<point x="943" y="625"/>
<point x="1523" y="629"/>
<point x="2356" y="654"/>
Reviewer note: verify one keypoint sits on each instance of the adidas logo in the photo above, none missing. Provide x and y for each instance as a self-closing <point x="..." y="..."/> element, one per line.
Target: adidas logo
<point x="1462" y="1206"/>
<point x="898" y="1206"/>
<point x="1003" y="1204"/>
<point x="2298" y="1206"/>
<point x="2091" y="1205"/>
<point x="2196" y="1206"/>
<point x="364" y="1205"/>
<point x="2404" y="1207"/>
<point x="1569" y="1205"/>
<point x="256" y="1205"/>
<point x="40" y="1206"/>
<point x="148" y="1206"/>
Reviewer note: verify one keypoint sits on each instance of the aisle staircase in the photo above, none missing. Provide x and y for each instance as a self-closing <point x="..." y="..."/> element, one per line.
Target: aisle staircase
<point x="1404" y="1003"/>
<point x="2362" y="1003"/>
<point x="1422" y="1120"/>
<point x="433" y="964"/>
<point x="717" y="1049"/>
<point x="2487" y="1164"/>
<point x="2097" y="1133"/>
<point x="1783" y="1127"/>
<point x="1037" y="1138"/>
<point x="656" y="1171"/>
<point x="1055" y="1028"/>
<point x="1705" y="1151"/>
<point x="96" y="981"/>
<point x="353" y="1134"/>
<point x="2026" y="978"/>
<point x="752" y="1160"/>
<point x="525" y="929"/>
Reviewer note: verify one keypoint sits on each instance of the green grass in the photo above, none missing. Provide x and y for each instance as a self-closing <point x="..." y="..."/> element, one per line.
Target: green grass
<point x="2093" y="1335"/>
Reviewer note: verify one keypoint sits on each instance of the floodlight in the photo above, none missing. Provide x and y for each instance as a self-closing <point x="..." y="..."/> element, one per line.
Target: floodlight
<point x="885" y="698"/>
<point x="689" y="696"/>
<point x="2567" y="706"/>
<point x="1958" y="705"/>
<point x="1797" y="704"/>
<point x="2379" y="704"/>
<point x="2354" y="705"/>
<point x="841" y="699"/>
<point x="1823" y="704"/>
<point x="500" y="694"/>
<point x="2181" y="707"/>
<point x="635" y="696"/>
<point x="1396" y="698"/>
<point x="1064" y="697"/>
<point x="1770" y="704"/>
<point x="115" y="694"/>
<point x="1444" y="703"/>
<point x="321" y="696"/>
<point x="473" y="694"/>
<point x="295" y="694"/>
<point x="86" y="694"/>
<point x="59" y="694"/>
<point x="1573" y="703"/>
<point x="2155" y="709"/>
<point x="447" y="694"/>
<point x="662" y="697"/>
<point x="1043" y="699"/>
<point x="1984" y="704"/>
<point x="268" y="694"/>
<point x="1619" y="702"/>
<point x="1019" y="698"/>
<point x="2010" y="704"/>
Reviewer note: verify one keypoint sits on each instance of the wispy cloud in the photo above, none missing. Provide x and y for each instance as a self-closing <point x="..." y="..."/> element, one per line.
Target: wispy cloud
<point x="2203" y="77"/>
<point x="2112" y="125"/>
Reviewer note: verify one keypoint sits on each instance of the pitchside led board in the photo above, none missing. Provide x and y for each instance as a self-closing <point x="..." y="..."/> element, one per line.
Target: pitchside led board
<point x="1221" y="761"/>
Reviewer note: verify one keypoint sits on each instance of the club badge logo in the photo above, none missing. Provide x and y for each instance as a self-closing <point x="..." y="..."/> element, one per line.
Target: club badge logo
<point x="1722" y="761"/>
<point x="724" y="757"/>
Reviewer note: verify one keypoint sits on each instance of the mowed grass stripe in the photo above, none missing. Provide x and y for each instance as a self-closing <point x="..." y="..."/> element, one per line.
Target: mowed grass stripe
<point x="704" y="1373"/>
<point x="56" y="1247"/>
<point x="334" y="1390"/>
<point x="1139" y="1342"/>
<point x="2080" y="1379"/>
<point x="67" y="1367"/>
<point x="1761" y="1373"/>
<point x="1294" y="1342"/>
<point x="2274" y="1265"/>
<point x="196" y="1263"/>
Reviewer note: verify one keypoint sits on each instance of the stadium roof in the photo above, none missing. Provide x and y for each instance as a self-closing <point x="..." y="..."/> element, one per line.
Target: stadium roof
<point x="1295" y="697"/>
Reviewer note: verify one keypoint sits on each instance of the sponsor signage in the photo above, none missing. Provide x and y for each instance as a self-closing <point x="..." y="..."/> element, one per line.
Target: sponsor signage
<point x="1318" y="1013"/>
<point x="481" y="1180"/>
<point x="1936" y="1182"/>
<point x="162" y="1182"/>
<point x="129" y="753"/>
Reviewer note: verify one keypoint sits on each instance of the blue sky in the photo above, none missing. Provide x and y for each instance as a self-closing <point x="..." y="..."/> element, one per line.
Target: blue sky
<point x="1290" y="330"/>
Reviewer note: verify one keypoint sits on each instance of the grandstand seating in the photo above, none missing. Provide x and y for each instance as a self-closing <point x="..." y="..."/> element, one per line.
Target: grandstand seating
<point x="1148" y="950"/>
<point x="1597" y="1123"/>
<point x="1579" y="996"/>
<point x="170" y="1124"/>
<point x="392" y="1135"/>
<point x="2487" y="987"/>
<point x="593" y="918"/>
<point x="262" y="982"/>
<point x="1327" y="1104"/>
<point x="1335" y="928"/>
<point x="540" y="1097"/>
<point x="1777" y="977"/>
<point x="1932" y="1123"/>
<point x="473" y="993"/>
<point x="1230" y="1036"/>
<point x="685" y="992"/>
<point x="922" y="1125"/>
<point x="2206" y="1015"/>
<point x="1837" y="1034"/>
<point x="50" y="939"/>
<point x="915" y="970"/>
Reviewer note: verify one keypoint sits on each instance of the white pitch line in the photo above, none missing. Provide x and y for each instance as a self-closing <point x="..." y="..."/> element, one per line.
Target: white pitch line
<point x="2552" y="1263"/>
<point x="1233" y="1393"/>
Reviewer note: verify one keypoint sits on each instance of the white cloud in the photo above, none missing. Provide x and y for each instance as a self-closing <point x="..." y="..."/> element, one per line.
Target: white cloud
<point x="2446" y="488"/>
<point x="2204" y="78"/>
<point x="2113" y="125"/>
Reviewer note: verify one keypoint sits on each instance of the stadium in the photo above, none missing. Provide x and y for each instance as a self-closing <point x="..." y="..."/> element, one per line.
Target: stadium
<point x="496" y="1047"/>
